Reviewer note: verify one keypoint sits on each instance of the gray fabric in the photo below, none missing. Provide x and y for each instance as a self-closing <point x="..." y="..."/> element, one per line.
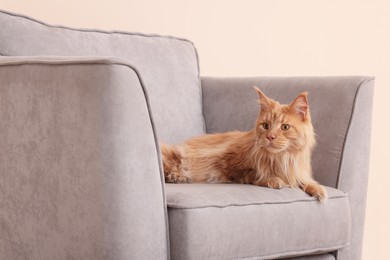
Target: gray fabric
<point x="79" y="164"/>
<point x="341" y="110"/>
<point x="314" y="257"/>
<point x="233" y="221"/>
<point x="78" y="149"/>
<point x="355" y="166"/>
<point x="168" y="66"/>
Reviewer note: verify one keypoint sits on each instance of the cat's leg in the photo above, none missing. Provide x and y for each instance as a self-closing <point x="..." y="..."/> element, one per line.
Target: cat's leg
<point x="276" y="183"/>
<point x="172" y="164"/>
<point x="272" y="182"/>
<point x="176" y="177"/>
<point x="316" y="190"/>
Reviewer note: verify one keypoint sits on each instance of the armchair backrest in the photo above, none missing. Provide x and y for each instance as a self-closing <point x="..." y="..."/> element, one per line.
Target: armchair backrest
<point x="167" y="66"/>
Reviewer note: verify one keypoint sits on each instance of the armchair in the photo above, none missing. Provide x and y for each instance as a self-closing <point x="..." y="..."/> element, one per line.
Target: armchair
<point x="82" y="113"/>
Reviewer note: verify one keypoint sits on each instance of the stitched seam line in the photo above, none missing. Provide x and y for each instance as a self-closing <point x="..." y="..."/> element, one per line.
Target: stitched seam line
<point x="339" y="176"/>
<point x="149" y="111"/>
<point x="200" y="87"/>
<point x="63" y="60"/>
<point x="94" y="30"/>
<point x="175" y="206"/>
<point x="296" y="253"/>
<point x="162" y="179"/>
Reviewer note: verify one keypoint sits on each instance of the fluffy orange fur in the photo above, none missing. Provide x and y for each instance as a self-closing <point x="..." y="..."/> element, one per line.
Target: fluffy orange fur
<point x="276" y="153"/>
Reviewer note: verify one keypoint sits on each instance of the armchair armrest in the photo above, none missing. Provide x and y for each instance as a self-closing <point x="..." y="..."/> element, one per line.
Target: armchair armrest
<point x="341" y="110"/>
<point x="79" y="162"/>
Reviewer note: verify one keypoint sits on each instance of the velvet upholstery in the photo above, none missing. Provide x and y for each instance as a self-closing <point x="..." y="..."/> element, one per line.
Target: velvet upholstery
<point x="72" y="183"/>
<point x="235" y="221"/>
<point x="168" y="66"/>
<point x="80" y="163"/>
<point x="354" y="168"/>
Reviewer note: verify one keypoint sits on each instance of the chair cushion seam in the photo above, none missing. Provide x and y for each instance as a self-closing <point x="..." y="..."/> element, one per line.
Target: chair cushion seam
<point x="295" y="253"/>
<point x="176" y="206"/>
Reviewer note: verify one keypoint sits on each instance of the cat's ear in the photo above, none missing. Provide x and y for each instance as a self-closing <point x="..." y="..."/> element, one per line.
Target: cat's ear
<point x="300" y="106"/>
<point x="263" y="99"/>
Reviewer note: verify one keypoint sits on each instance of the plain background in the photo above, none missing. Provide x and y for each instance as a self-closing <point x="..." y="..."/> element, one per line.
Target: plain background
<point x="266" y="38"/>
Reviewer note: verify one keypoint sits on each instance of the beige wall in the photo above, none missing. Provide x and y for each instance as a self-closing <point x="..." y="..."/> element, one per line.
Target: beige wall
<point x="262" y="37"/>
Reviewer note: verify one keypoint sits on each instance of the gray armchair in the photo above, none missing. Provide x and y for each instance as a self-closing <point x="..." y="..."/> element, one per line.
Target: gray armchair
<point x="82" y="113"/>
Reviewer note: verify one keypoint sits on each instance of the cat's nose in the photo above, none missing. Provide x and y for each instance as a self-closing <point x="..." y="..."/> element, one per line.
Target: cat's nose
<point x="270" y="137"/>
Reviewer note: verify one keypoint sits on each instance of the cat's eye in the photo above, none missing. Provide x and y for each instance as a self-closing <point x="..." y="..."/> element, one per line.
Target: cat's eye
<point x="265" y="126"/>
<point x="285" y="127"/>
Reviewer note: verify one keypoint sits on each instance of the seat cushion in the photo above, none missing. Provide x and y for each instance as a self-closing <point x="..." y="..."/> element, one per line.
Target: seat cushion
<point x="235" y="221"/>
<point x="168" y="66"/>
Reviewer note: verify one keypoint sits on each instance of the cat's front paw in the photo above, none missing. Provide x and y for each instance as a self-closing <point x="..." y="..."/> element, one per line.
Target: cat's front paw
<point x="316" y="190"/>
<point x="276" y="183"/>
<point x="175" y="177"/>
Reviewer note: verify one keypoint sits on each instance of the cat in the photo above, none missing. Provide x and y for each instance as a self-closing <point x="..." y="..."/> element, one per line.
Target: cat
<point x="276" y="153"/>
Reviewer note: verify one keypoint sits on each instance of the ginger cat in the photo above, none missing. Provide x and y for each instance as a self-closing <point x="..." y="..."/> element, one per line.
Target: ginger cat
<point x="275" y="154"/>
